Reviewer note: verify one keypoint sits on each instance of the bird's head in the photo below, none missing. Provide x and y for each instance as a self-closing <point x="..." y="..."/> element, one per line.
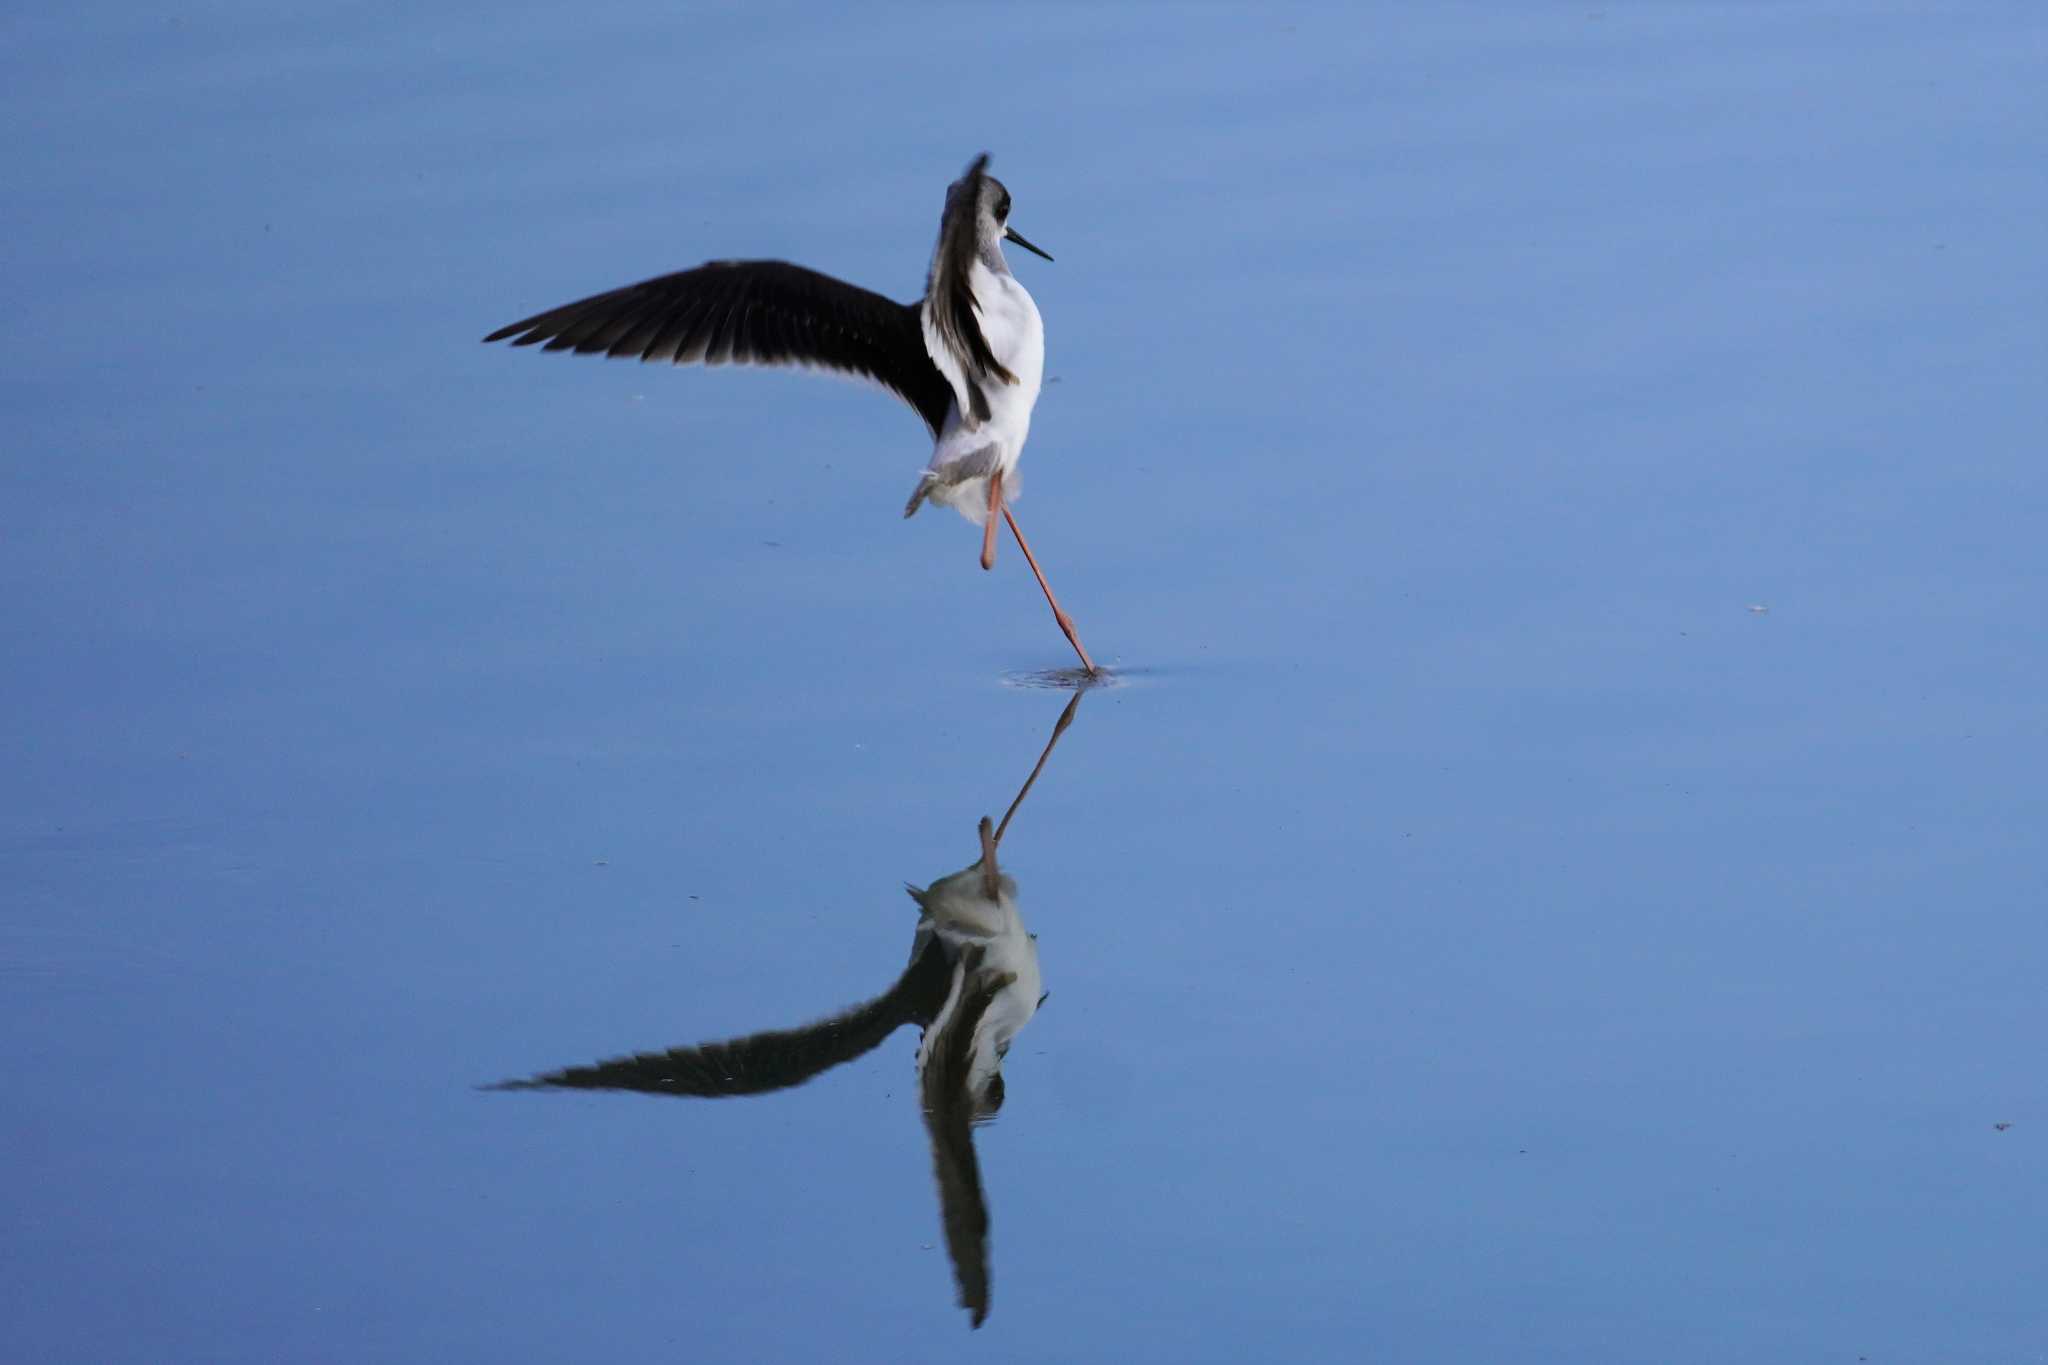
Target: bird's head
<point x="991" y="201"/>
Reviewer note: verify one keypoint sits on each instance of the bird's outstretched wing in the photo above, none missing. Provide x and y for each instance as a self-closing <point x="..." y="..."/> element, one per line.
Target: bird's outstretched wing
<point x="761" y="1062"/>
<point x="949" y="1112"/>
<point x="752" y="313"/>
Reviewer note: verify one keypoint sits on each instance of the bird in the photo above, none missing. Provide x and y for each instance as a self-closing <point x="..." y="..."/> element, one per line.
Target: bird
<point x="968" y="357"/>
<point x="973" y="982"/>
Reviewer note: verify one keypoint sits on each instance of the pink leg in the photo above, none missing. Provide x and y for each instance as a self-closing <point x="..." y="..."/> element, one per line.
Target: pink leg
<point x="988" y="528"/>
<point x="1066" y="621"/>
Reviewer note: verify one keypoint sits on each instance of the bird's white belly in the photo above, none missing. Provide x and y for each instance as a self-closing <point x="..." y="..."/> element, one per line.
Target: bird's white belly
<point x="1016" y="337"/>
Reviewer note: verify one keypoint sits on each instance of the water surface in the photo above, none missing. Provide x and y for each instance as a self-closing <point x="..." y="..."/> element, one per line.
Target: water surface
<point x="1559" y="880"/>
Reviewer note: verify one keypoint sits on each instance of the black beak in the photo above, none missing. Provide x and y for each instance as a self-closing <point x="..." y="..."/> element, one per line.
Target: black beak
<point x="1011" y="234"/>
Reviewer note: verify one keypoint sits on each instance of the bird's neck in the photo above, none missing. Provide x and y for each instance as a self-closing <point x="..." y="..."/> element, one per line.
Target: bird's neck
<point x="991" y="257"/>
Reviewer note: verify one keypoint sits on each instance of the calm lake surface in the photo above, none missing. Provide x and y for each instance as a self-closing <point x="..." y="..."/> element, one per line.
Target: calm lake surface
<point x="1555" y="873"/>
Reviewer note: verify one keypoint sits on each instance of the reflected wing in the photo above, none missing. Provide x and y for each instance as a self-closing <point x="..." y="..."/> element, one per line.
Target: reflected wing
<point x="762" y="1062"/>
<point x="949" y="1119"/>
<point x="751" y="313"/>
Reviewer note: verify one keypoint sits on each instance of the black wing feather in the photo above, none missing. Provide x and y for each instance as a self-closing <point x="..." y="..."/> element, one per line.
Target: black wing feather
<point x="949" y="289"/>
<point x="761" y="1062"/>
<point x="949" y="1108"/>
<point x="752" y="313"/>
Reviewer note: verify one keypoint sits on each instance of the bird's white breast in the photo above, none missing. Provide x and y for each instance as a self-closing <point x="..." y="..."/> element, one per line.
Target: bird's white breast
<point x="1015" y="334"/>
<point x="1016" y="337"/>
<point x="963" y="914"/>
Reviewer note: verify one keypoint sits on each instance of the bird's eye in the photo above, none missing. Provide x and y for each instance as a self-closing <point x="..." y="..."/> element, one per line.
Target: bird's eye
<point x="1003" y="208"/>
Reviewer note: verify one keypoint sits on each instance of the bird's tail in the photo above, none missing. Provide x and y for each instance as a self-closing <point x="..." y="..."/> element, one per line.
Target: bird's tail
<point x="918" y="494"/>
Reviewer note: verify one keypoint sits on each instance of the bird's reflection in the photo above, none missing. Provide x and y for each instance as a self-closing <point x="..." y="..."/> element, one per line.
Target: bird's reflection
<point x="972" y="984"/>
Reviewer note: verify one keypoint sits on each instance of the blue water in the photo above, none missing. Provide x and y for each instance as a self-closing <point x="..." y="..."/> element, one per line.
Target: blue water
<point x="1557" y="876"/>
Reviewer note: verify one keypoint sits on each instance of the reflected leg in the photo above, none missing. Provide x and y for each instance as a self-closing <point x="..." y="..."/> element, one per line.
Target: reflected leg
<point x="1066" y="719"/>
<point x="990" y="873"/>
